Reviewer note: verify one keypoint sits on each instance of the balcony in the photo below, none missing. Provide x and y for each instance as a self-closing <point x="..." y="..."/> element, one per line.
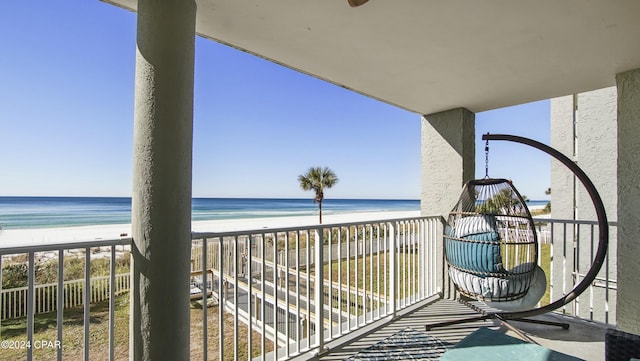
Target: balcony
<point x="259" y="289"/>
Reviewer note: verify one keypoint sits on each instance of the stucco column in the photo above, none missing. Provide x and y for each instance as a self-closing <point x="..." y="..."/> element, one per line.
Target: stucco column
<point x="448" y="158"/>
<point x="563" y="186"/>
<point x="584" y="128"/>
<point x="628" y="307"/>
<point x="161" y="209"/>
<point x="448" y="161"/>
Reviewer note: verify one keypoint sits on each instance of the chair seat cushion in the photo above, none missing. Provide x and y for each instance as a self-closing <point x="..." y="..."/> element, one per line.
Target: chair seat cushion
<point x="476" y="253"/>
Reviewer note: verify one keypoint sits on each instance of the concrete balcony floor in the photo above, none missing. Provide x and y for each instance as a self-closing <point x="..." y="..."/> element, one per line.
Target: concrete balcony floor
<point x="583" y="339"/>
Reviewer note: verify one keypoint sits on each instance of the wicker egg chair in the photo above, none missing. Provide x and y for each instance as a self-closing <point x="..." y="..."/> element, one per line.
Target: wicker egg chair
<point x="491" y="246"/>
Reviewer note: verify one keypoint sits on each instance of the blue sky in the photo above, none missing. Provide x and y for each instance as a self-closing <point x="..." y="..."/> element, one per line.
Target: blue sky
<point x="66" y="118"/>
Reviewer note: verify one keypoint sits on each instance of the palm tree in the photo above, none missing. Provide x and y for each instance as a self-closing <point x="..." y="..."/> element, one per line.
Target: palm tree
<point x="317" y="179"/>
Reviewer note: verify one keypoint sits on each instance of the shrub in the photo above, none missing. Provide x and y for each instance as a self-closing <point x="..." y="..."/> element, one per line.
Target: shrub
<point x="15" y="275"/>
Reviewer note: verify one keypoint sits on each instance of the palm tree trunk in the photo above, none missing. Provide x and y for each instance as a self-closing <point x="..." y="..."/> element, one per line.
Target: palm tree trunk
<point x="320" y="208"/>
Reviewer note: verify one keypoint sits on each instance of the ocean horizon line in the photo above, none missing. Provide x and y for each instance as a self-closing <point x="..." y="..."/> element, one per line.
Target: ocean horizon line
<point x="202" y="197"/>
<point x="277" y="198"/>
<point x="55" y="211"/>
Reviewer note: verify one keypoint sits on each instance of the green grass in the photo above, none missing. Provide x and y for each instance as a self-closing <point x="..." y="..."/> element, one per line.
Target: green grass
<point x="545" y="260"/>
<point x="405" y="261"/>
<point x="411" y="259"/>
<point x="73" y="334"/>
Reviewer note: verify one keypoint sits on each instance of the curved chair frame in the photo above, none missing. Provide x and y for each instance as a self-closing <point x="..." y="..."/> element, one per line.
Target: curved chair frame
<point x="603" y="241"/>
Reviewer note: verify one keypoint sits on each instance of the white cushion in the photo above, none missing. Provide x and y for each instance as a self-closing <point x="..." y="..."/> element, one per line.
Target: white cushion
<point x="492" y="287"/>
<point x="536" y="290"/>
<point x="474" y="225"/>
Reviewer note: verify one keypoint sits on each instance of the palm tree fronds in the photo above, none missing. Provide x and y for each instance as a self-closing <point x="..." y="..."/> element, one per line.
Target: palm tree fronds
<point x="317" y="179"/>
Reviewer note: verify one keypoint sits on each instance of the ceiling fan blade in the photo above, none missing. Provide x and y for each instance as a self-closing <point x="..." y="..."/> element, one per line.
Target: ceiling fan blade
<point x="355" y="3"/>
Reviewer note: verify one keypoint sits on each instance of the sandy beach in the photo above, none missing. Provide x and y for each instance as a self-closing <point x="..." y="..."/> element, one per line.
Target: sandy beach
<point x="41" y="236"/>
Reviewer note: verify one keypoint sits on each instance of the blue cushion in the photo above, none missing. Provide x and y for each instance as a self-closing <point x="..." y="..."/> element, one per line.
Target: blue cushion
<point x="478" y="253"/>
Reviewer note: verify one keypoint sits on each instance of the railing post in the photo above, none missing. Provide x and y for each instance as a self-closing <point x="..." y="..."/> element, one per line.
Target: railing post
<point x="221" y="297"/>
<point x="444" y="287"/>
<point x="87" y="300"/>
<point x="31" y="303"/>
<point x="319" y="288"/>
<point x="422" y="270"/>
<point x="112" y="303"/>
<point x="205" y="290"/>
<point x="1" y="298"/>
<point x="392" y="271"/>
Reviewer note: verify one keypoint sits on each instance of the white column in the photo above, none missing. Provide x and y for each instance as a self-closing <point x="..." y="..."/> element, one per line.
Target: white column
<point x="448" y="161"/>
<point x="161" y="209"/>
<point x="628" y="307"/>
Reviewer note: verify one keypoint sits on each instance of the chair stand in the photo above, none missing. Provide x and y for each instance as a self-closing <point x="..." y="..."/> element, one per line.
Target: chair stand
<point x="500" y="317"/>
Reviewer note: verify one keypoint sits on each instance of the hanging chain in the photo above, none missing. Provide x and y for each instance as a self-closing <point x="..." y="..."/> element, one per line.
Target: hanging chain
<point x="486" y="160"/>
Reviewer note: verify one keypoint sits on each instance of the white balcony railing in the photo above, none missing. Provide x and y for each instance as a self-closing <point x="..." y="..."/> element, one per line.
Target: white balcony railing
<point x="260" y="295"/>
<point x="45" y="295"/>
<point x="268" y="281"/>
<point x="571" y="247"/>
<point x="31" y="301"/>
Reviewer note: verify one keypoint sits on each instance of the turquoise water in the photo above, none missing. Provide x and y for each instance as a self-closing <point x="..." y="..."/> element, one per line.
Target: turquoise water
<point x="45" y="212"/>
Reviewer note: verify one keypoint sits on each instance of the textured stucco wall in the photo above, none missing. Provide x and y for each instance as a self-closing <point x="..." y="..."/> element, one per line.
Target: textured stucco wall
<point x="448" y="158"/>
<point x="448" y="161"/>
<point x="629" y="201"/>
<point x="591" y="143"/>
<point x="562" y="139"/>
<point x="161" y="197"/>
<point x="597" y="149"/>
<point x="597" y="156"/>
<point x="562" y="187"/>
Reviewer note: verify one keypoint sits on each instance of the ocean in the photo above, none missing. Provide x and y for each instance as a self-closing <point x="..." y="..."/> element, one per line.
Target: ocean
<point x="50" y="212"/>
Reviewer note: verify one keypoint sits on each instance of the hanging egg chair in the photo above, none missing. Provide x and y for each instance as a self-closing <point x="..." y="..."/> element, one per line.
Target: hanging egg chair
<point x="491" y="246"/>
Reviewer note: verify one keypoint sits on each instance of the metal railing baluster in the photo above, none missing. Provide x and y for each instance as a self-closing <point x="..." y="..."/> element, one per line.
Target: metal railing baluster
<point x="87" y="301"/>
<point x="221" y="298"/>
<point x="263" y="272"/>
<point x="30" y="304"/>
<point x="275" y="293"/>
<point x="287" y="302"/>
<point x="250" y="316"/>
<point x="112" y="305"/>
<point x="203" y="277"/>
<point x="236" y="300"/>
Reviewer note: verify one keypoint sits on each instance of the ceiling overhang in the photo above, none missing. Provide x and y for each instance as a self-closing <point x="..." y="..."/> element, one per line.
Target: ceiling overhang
<point x="430" y="56"/>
